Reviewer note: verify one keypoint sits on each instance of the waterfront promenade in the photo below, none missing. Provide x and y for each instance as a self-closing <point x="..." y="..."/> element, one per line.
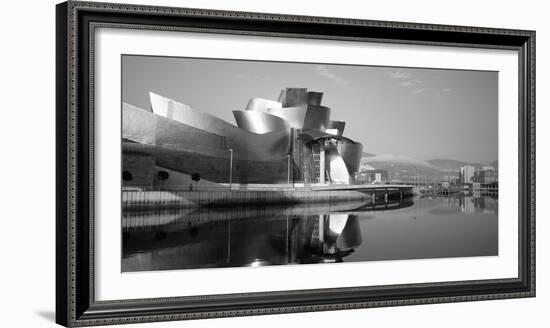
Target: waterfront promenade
<point x="139" y="199"/>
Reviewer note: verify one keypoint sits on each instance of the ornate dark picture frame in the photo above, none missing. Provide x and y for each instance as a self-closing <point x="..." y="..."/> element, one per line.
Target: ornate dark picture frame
<point x="75" y="301"/>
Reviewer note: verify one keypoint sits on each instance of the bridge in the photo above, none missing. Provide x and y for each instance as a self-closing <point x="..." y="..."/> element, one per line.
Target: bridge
<point x="375" y="190"/>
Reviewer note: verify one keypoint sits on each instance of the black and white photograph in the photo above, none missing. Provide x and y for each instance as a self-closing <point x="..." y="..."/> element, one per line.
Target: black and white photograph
<point x="243" y="163"/>
<point x="267" y="163"/>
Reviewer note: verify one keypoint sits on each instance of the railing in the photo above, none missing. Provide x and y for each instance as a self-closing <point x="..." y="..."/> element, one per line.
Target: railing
<point x="298" y="186"/>
<point x="220" y="187"/>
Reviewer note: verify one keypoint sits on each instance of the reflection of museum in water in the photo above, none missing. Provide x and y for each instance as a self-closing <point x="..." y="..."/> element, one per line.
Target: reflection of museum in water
<point x="229" y="237"/>
<point x="249" y="242"/>
<point x="291" y="140"/>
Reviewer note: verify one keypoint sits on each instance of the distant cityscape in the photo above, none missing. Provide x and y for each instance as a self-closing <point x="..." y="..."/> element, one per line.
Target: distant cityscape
<point x="390" y="169"/>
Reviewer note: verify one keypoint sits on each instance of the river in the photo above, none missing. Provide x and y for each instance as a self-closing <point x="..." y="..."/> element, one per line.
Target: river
<point x="414" y="228"/>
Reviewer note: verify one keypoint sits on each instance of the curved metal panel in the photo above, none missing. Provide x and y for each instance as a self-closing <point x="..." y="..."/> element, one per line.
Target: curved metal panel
<point x="314" y="135"/>
<point x="244" y="143"/>
<point x="336" y="125"/>
<point x="317" y="118"/>
<point x="259" y="122"/>
<point x="351" y="153"/>
<point x="304" y="117"/>
<point x="261" y="104"/>
<point x="282" y="96"/>
<point x="295" y="97"/>
<point x="295" y="116"/>
<point x="314" y="98"/>
<point x="184" y="114"/>
<point x="145" y="127"/>
<point x="336" y="167"/>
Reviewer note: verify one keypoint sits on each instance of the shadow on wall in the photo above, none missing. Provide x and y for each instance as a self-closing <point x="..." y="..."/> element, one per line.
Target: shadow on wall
<point x="48" y="315"/>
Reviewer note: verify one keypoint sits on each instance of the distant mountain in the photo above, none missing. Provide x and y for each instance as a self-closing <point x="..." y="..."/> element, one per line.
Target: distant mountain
<point x="451" y="164"/>
<point x="399" y="163"/>
<point x="447" y="163"/>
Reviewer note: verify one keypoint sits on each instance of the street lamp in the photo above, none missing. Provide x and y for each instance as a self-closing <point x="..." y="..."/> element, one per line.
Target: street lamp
<point x="230" y="167"/>
<point x="288" y="169"/>
<point x="322" y="161"/>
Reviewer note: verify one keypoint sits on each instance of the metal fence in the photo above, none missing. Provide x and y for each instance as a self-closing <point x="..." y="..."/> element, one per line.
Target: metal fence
<point x="217" y="187"/>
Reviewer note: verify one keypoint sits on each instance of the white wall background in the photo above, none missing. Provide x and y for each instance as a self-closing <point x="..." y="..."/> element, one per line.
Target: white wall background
<point x="27" y="179"/>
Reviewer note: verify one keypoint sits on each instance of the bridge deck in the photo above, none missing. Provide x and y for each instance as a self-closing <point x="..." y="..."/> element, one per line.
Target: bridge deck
<point x="364" y="187"/>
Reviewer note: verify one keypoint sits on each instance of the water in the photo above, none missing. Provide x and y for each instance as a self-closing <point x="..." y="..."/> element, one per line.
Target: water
<point x="414" y="228"/>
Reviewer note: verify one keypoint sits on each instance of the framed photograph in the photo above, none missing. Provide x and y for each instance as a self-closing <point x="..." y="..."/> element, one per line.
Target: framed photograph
<point x="215" y="163"/>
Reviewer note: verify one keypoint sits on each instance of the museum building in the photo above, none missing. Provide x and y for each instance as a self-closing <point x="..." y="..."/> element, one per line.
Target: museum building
<point x="288" y="141"/>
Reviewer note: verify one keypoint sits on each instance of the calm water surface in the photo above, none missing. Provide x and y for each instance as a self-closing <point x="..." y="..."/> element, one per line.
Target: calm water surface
<point x="415" y="228"/>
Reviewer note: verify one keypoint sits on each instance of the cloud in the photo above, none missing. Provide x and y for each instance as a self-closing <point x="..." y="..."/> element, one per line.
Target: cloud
<point x="410" y="83"/>
<point x="325" y="71"/>
<point x="406" y="83"/>
<point x="447" y="90"/>
<point x="400" y="75"/>
<point x="407" y="80"/>
<point x="418" y="91"/>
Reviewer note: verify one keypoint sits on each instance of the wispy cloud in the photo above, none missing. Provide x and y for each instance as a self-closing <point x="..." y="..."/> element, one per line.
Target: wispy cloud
<point x="447" y="90"/>
<point x="400" y="75"/>
<point x="408" y="81"/>
<point x="325" y="71"/>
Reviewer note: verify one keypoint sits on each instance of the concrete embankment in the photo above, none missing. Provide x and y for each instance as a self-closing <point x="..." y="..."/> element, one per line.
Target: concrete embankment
<point x="174" y="199"/>
<point x="139" y="199"/>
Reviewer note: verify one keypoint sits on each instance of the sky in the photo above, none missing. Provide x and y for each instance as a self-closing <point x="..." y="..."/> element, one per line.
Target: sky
<point x="416" y="112"/>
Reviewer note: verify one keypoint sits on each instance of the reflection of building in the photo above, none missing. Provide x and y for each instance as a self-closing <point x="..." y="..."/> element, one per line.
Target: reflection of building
<point x="467" y="174"/>
<point x="192" y="240"/>
<point x="487" y="175"/>
<point x="289" y="140"/>
<point x="467" y="205"/>
<point x="327" y="238"/>
<point x="478" y="204"/>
